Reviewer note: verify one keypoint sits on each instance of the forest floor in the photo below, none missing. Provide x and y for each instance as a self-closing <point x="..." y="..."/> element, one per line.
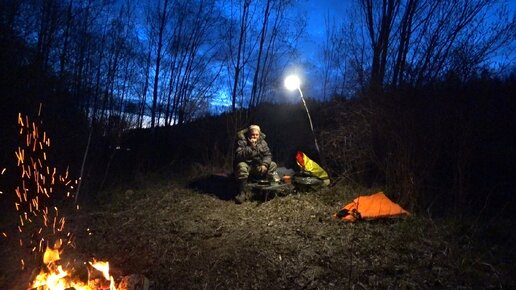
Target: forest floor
<point x="181" y="236"/>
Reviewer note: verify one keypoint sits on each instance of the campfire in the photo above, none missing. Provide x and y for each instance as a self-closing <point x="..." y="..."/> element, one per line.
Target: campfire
<point x="41" y="224"/>
<point x="54" y="277"/>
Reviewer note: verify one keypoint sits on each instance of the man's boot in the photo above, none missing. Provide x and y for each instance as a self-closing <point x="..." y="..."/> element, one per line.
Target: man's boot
<point x="243" y="193"/>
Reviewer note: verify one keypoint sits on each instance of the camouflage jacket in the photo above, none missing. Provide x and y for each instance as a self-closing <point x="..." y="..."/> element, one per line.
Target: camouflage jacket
<point x="259" y="155"/>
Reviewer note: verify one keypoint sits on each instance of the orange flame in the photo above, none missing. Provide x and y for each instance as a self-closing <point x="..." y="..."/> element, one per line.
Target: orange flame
<point x="103" y="267"/>
<point x="50" y="256"/>
<point x="54" y="277"/>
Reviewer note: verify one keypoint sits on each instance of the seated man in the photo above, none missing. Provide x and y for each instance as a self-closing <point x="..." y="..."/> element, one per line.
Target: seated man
<point x="252" y="158"/>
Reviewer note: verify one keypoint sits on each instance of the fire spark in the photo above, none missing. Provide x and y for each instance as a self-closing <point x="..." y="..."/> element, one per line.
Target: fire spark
<point x="41" y="186"/>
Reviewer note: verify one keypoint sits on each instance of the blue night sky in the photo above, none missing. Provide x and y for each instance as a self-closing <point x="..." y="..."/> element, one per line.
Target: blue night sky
<point x="336" y="10"/>
<point x="317" y="11"/>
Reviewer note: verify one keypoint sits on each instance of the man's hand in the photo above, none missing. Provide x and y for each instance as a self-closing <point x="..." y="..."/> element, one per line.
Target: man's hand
<point x="253" y="138"/>
<point x="263" y="169"/>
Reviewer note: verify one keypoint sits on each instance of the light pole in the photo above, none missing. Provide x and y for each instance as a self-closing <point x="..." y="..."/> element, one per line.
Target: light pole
<point x="292" y="83"/>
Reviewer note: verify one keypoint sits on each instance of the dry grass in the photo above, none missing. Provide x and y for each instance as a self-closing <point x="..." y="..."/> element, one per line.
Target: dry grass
<point x="183" y="239"/>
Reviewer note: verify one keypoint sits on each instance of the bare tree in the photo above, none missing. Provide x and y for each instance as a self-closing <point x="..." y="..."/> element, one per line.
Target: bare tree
<point x="239" y="63"/>
<point x="379" y="23"/>
<point x="260" y="38"/>
<point x="405" y="33"/>
<point x="417" y="41"/>
<point x="49" y="19"/>
<point x="190" y="57"/>
<point x="142" y="93"/>
<point x="334" y="60"/>
<point x="276" y="45"/>
<point x="263" y="34"/>
<point x="163" y="15"/>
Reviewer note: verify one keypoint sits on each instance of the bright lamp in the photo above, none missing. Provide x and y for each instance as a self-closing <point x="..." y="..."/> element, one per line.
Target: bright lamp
<point x="292" y="82"/>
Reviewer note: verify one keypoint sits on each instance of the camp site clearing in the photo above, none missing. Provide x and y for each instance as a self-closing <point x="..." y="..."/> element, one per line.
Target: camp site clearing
<point x="180" y="238"/>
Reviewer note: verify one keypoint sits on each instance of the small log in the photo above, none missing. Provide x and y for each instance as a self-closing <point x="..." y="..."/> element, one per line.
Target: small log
<point x="134" y="282"/>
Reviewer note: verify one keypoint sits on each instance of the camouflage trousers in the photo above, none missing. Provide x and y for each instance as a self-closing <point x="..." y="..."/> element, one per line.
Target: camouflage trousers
<point x="243" y="170"/>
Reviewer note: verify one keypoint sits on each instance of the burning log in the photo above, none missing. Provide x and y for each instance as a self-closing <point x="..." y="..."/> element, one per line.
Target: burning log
<point x="98" y="276"/>
<point x="134" y="282"/>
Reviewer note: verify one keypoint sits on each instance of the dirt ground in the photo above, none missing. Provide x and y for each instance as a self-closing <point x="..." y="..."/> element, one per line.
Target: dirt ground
<point x="186" y="236"/>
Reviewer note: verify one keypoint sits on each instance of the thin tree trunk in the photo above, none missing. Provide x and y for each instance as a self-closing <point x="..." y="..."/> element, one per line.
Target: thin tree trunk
<point x="241" y="40"/>
<point x="162" y="19"/>
<point x="253" y="101"/>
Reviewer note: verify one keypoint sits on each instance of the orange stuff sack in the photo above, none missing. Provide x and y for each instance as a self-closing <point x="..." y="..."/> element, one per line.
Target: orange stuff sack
<point x="370" y="207"/>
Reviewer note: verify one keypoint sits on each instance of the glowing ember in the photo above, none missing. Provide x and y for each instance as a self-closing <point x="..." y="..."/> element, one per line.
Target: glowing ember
<point x="41" y="187"/>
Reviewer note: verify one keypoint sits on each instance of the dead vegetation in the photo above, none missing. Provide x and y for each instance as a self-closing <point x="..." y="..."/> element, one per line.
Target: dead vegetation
<point x="180" y="238"/>
<point x="184" y="239"/>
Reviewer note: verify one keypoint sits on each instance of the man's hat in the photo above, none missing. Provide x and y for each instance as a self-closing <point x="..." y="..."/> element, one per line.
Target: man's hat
<point x="254" y="128"/>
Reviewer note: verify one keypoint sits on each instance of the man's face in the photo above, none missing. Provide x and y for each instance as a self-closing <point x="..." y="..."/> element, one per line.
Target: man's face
<point x="253" y="135"/>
